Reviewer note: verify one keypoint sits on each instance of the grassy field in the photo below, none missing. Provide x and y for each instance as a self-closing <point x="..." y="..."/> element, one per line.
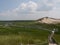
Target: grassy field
<point x="26" y="32"/>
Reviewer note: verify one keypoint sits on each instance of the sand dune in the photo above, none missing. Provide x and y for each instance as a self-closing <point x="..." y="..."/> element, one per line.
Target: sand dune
<point x="48" y="20"/>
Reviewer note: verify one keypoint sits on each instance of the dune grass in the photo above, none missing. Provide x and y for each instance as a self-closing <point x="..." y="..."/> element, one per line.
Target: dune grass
<point x="17" y="33"/>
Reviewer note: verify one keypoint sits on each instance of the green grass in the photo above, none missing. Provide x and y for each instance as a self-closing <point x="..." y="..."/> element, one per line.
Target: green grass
<point x="18" y="33"/>
<point x="17" y="39"/>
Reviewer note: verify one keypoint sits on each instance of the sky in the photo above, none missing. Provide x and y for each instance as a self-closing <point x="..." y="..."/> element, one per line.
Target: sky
<point x="29" y="9"/>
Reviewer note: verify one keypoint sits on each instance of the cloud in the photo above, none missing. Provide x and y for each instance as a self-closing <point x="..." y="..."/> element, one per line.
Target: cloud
<point x="56" y="1"/>
<point x="55" y="12"/>
<point x="30" y="6"/>
<point x="33" y="10"/>
<point x="23" y="6"/>
<point x="26" y="8"/>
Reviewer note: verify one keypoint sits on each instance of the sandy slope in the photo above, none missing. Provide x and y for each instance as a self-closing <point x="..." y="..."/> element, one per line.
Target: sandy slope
<point x="49" y="20"/>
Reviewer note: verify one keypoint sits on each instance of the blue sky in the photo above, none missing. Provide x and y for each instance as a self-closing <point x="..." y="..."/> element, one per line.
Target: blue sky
<point x="29" y="9"/>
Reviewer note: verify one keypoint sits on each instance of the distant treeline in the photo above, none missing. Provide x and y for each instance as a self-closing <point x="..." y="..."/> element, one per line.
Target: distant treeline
<point x="17" y="20"/>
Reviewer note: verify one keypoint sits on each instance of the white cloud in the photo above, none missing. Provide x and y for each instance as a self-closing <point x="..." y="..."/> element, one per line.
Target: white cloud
<point x="54" y="14"/>
<point x="26" y="7"/>
<point x="50" y="4"/>
<point x="44" y="1"/>
<point x="30" y="6"/>
<point x="30" y="9"/>
<point x="56" y="1"/>
<point x="23" y="6"/>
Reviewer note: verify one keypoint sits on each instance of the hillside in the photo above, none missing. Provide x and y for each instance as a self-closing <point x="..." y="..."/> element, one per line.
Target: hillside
<point x="48" y="20"/>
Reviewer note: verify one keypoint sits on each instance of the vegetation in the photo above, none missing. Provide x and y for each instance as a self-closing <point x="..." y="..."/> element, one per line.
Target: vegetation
<point x="26" y="32"/>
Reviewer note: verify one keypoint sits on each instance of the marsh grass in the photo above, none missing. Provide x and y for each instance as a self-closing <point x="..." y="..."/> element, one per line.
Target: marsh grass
<point x="17" y="40"/>
<point x="18" y="34"/>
